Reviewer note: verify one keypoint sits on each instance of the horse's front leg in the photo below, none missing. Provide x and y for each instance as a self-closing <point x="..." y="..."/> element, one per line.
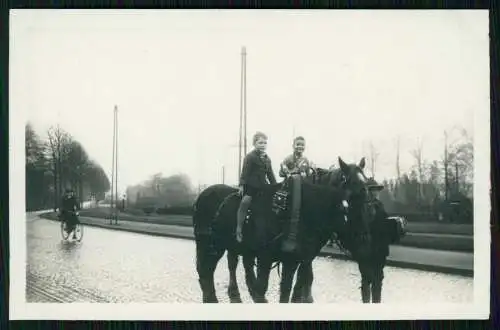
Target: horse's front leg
<point x="232" y="290"/>
<point x="250" y="278"/>
<point x="289" y="268"/>
<point x="263" y="271"/>
<point x="308" y="281"/>
<point x="298" y="288"/>
<point x="365" y="290"/>
<point x="378" y="277"/>
<point x="302" y="288"/>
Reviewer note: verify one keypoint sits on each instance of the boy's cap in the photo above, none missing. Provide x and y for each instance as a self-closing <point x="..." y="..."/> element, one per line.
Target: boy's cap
<point x="374" y="185"/>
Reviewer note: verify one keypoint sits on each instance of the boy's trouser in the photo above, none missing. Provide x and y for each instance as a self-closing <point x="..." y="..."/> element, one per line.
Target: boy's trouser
<point x="290" y="242"/>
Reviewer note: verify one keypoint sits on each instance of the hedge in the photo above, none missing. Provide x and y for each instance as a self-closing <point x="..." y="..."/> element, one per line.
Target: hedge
<point x="175" y="210"/>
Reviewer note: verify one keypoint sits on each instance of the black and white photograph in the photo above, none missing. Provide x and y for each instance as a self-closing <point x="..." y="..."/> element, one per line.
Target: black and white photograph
<point x="200" y="164"/>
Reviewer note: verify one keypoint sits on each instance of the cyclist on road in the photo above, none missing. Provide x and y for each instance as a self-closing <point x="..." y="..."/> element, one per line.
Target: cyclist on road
<point x="68" y="207"/>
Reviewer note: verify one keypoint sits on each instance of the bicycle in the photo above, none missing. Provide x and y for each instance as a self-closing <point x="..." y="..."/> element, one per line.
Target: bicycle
<point x="77" y="231"/>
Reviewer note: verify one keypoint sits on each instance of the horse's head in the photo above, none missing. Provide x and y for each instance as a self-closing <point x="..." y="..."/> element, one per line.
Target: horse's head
<point x="352" y="179"/>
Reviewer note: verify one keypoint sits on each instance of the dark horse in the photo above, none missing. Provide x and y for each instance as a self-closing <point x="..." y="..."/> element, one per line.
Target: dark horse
<point x="322" y="213"/>
<point x="370" y="256"/>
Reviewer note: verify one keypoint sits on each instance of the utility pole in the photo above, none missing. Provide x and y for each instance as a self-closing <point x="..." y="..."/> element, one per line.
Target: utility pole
<point x="116" y="167"/>
<point x="223" y="174"/>
<point x="114" y="170"/>
<point x="446" y="166"/>
<point x="243" y="113"/>
<point x="244" y="74"/>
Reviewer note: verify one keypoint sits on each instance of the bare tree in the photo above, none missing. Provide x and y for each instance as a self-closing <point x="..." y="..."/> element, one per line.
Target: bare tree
<point x="77" y="162"/>
<point x="458" y="161"/>
<point x="37" y="190"/>
<point x="57" y="147"/>
<point x="373" y="156"/>
<point x="417" y="154"/>
<point x="461" y="160"/>
<point x="97" y="180"/>
<point x="55" y="163"/>
<point x="445" y="163"/>
<point x="398" y="168"/>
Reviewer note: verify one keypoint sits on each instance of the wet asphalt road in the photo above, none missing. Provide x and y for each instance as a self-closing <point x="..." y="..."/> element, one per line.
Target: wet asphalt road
<point x="116" y="266"/>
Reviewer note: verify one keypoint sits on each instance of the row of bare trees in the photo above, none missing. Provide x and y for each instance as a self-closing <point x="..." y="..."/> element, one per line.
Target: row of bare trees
<point x="56" y="163"/>
<point x="443" y="187"/>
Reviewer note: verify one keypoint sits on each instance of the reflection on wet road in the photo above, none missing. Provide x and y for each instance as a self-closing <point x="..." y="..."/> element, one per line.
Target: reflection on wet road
<point x="116" y="266"/>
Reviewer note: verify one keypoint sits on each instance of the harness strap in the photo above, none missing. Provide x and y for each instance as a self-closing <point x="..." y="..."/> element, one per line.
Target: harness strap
<point x="231" y="195"/>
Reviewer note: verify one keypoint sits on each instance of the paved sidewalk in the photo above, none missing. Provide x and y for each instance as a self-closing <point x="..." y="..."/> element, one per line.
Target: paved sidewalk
<point x="459" y="263"/>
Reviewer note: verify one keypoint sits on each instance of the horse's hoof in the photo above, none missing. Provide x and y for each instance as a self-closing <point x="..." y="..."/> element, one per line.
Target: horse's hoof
<point x="235" y="299"/>
<point x="210" y="300"/>
<point x="260" y="300"/>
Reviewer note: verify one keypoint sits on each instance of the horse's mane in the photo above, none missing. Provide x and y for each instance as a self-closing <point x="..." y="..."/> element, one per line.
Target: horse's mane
<point x="331" y="176"/>
<point x="322" y="196"/>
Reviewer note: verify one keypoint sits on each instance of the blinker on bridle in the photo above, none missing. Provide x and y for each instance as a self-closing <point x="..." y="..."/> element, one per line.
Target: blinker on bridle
<point x="345" y="179"/>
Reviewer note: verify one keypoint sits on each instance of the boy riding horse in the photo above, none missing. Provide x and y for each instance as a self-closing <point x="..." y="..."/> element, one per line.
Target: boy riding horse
<point x="257" y="169"/>
<point x="295" y="166"/>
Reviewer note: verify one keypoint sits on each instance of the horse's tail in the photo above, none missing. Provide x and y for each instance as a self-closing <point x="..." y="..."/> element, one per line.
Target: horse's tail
<point x="201" y="219"/>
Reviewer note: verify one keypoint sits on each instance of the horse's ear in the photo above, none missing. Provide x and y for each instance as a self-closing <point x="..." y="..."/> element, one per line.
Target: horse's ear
<point x="362" y="163"/>
<point x="343" y="165"/>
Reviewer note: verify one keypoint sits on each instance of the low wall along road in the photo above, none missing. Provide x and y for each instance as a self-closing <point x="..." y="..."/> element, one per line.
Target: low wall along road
<point x="439" y="236"/>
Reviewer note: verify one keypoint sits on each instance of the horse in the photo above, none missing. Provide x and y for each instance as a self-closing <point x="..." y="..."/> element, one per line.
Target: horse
<point x="233" y="256"/>
<point x="371" y="258"/>
<point x="322" y="213"/>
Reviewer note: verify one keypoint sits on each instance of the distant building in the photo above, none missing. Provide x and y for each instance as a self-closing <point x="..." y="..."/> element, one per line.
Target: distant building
<point x="138" y="191"/>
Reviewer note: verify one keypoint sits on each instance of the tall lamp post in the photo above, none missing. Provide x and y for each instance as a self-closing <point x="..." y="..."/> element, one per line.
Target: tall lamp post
<point x="243" y="111"/>
<point x="114" y="170"/>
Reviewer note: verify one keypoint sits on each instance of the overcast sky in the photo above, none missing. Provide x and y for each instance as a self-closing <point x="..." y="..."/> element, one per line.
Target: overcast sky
<point x="341" y="78"/>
